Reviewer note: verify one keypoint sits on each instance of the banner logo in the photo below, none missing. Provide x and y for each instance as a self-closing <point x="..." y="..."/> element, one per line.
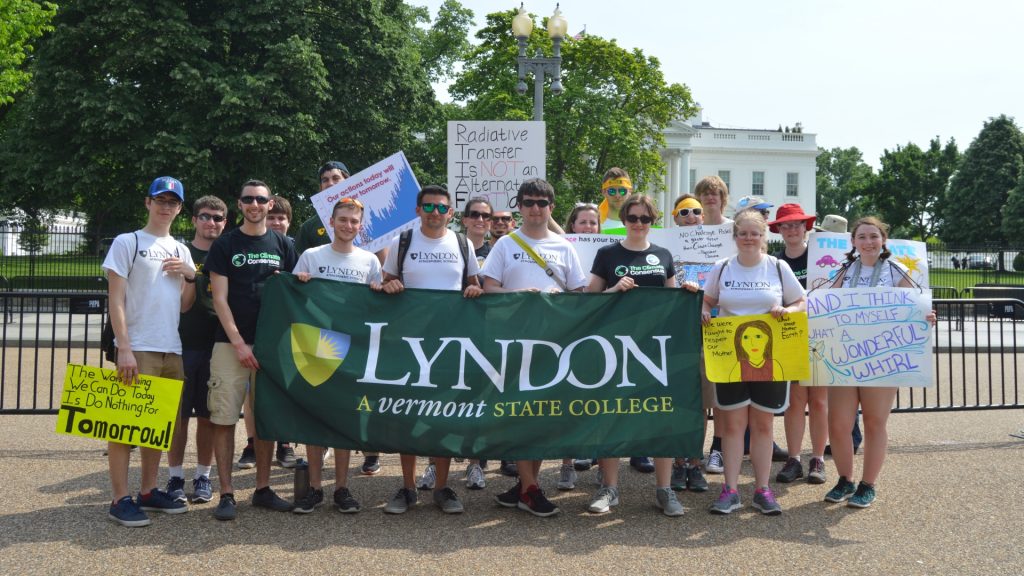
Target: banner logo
<point x="318" y="352"/>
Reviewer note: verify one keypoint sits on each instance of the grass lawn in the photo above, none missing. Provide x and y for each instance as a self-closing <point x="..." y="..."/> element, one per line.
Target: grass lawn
<point x="11" y="266"/>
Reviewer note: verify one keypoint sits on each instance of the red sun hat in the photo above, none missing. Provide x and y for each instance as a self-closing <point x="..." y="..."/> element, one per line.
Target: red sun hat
<point x="790" y="213"/>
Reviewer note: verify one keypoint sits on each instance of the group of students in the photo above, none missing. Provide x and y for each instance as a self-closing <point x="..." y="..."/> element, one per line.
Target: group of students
<point x="509" y="262"/>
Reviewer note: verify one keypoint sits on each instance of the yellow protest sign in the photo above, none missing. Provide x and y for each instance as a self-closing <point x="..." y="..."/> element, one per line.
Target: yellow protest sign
<point x="95" y="404"/>
<point x="756" y="348"/>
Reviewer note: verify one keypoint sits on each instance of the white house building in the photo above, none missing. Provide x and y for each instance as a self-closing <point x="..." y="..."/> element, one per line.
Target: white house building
<point x="778" y="165"/>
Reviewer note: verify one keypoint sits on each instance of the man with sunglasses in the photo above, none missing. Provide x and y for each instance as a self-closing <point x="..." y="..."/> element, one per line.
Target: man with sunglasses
<point x="197" y="328"/>
<point x="512" y="268"/>
<point x="433" y="258"/>
<point x="239" y="263"/>
<point x="502" y="222"/>
<point x="616" y="186"/>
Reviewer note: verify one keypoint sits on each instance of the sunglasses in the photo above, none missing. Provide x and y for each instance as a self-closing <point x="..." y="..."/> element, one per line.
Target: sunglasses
<point x="688" y="211"/>
<point x="501" y="219"/>
<point x="633" y="219"/>
<point x="261" y="200"/>
<point x="353" y="201"/>
<point x="205" y="217"/>
<point x="429" y="207"/>
<point x="620" y="191"/>
<point x="527" y="203"/>
<point x="475" y="215"/>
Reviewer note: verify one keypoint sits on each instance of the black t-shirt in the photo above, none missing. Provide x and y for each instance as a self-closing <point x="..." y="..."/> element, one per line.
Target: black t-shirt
<point x="247" y="262"/>
<point x="198" y="326"/>
<point x="648" y="267"/>
<point x="798" y="265"/>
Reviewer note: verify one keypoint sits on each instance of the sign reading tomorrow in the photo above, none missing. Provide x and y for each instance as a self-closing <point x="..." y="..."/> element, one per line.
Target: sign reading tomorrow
<point x="492" y="158"/>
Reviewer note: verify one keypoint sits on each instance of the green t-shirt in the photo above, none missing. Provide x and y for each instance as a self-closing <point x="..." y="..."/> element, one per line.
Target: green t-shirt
<point x="311" y="234"/>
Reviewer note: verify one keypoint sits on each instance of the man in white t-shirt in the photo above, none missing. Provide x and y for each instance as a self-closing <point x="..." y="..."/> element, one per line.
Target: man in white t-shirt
<point x="432" y="256"/>
<point x="511" y="268"/>
<point x="341" y="261"/>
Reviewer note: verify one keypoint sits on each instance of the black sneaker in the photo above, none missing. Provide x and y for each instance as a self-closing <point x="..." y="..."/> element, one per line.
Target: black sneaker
<point x="248" y="458"/>
<point x="509" y="468"/>
<point x="534" y="502"/>
<point x="790" y="472"/>
<point x="285" y="455"/>
<point x="313" y="498"/>
<point x="226" y="509"/>
<point x="269" y="499"/>
<point x="583" y="464"/>
<point x="344" y="501"/>
<point x="371" y="466"/>
<point x="642" y="464"/>
<point x="695" y="479"/>
<point x="176" y="489"/>
<point x="778" y="454"/>
<point x="509" y="498"/>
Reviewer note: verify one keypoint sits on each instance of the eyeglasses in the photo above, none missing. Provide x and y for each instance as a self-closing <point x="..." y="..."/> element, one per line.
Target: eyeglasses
<point x="476" y="215"/>
<point x="167" y="202"/>
<point x="620" y="191"/>
<point x="529" y="203"/>
<point x="505" y="219"/>
<point x="749" y="234"/>
<point x="261" y="200"/>
<point x="429" y="207"/>
<point x="206" y="217"/>
<point x="633" y="219"/>
<point x="792" y="225"/>
<point x="353" y="201"/>
<point x="688" y="211"/>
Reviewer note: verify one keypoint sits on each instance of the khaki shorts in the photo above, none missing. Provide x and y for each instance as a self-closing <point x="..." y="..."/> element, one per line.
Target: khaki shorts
<point x="160" y="364"/>
<point x="229" y="381"/>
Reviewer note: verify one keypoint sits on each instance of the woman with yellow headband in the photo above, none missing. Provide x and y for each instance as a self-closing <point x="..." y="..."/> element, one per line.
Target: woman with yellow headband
<point x="616" y="186"/>
<point x="688" y="211"/>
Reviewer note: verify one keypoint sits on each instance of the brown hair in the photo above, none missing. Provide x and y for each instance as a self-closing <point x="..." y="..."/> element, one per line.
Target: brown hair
<point x="570" y="222"/>
<point x="641" y="199"/>
<point x="869" y="221"/>
<point x="709" y="184"/>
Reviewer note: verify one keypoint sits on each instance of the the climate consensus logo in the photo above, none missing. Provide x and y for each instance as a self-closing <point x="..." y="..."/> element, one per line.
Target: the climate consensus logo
<point x="318" y="352"/>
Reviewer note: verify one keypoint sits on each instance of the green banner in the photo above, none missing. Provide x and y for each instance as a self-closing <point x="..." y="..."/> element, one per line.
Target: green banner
<point x="513" y="376"/>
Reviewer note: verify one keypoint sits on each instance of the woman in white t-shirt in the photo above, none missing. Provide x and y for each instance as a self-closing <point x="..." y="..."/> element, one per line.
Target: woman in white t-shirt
<point x="750" y="283"/>
<point x="868" y="264"/>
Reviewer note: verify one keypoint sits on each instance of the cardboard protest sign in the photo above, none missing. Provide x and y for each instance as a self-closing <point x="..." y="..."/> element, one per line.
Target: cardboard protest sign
<point x="95" y="404"/>
<point x="756" y="348"/>
<point x="492" y="159"/>
<point x="387" y="191"/>
<point x="826" y="254"/>
<point x="870" y="337"/>
<point x="587" y="245"/>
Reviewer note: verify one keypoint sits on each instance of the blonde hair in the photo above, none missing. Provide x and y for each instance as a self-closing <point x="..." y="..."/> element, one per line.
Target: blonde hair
<point x="755" y="216"/>
<point x="709" y="184"/>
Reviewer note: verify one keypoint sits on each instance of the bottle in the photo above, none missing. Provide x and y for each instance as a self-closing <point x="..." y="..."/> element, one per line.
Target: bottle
<point x="301" y="479"/>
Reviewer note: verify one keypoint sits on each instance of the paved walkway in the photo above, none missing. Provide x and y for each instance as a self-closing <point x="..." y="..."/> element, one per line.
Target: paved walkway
<point x="951" y="501"/>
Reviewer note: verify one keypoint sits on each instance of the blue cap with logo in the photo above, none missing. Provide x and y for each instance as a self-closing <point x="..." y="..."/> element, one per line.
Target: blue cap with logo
<point x="755" y="202"/>
<point x="167" y="184"/>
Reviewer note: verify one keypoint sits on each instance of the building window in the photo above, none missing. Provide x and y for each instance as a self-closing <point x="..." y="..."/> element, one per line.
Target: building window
<point x="792" y="183"/>
<point x="693" y="179"/>
<point x="757" y="188"/>
<point x="724" y="175"/>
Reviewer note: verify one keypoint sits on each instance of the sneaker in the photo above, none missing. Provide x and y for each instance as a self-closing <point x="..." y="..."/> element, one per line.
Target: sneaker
<point x="285" y="455"/>
<point x="715" y="464"/>
<point x="426" y="482"/>
<point x="448" y="501"/>
<point x="126" y="513"/>
<point x="665" y="499"/>
<point x="475" y="477"/>
<point x="604" y="499"/>
<point x="270" y="500"/>
<point x="314" y="497"/>
<point x="160" y="501"/>
<point x="344" y="502"/>
<point x="534" y="502"/>
<point x="400" y="502"/>
<point x="642" y="464"/>
<point x="248" y="458"/>
<point x="841" y="491"/>
<point x="816" y="471"/>
<point x="678" y="482"/>
<point x="509" y="498"/>
<point x="567" y="477"/>
<point x="790" y="472"/>
<point x="764" y="500"/>
<point x="778" y="454"/>
<point x="226" y="508"/>
<point x="176" y="489"/>
<point x="582" y="464"/>
<point x="509" y="468"/>
<point x="371" y="466"/>
<point x="863" y="497"/>
<point x="695" y="479"/>
<point x="202" y="490"/>
<point x="727" y="503"/>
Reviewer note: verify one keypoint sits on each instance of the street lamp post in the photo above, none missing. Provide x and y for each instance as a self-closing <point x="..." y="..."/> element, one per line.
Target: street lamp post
<point x="522" y="27"/>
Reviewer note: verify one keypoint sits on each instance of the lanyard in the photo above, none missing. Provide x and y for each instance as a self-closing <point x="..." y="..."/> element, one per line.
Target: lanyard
<point x="874" y="273"/>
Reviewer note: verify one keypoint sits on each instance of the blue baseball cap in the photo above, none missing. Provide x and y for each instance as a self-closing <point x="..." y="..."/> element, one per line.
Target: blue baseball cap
<point x="167" y="184"/>
<point x="755" y="202"/>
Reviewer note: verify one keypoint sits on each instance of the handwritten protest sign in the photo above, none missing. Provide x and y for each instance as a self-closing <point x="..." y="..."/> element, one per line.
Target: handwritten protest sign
<point x="870" y="337"/>
<point x="587" y="245"/>
<point x="387" y="191"/>
<point x="826" y="254"/>
<point x="756" y="348"/>
<point x="492" y="159"/>
<point x="95" y="404"/>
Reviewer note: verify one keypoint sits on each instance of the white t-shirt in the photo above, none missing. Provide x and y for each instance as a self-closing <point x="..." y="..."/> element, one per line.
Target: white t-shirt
<point x="152" y="297"/>
<point x="515" y="269"/>
<point x="431" y="263"/>
<point x="743" y="290"/>
<point x="885" y="275"/>
<point x="357" y="266"/>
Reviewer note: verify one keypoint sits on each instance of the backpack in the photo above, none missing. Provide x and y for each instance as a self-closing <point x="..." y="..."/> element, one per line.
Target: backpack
<point x="405" y="239"/>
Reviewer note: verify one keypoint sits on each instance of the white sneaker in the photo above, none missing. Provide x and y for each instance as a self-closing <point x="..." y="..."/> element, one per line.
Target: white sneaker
<point x="605" y="498"/>
<point x="714" y="464"/>
<point x="426" y="482"/>
<point x="567" y="477"/>
<point x="475" y="477"/>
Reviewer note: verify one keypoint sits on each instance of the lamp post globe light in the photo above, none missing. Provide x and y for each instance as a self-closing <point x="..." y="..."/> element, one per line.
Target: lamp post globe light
<point x="540" y="66"/>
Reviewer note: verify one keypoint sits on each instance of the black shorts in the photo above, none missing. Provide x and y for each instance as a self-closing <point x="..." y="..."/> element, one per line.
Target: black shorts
<point x="768" y="396"/>
<point x="196" y="390"/>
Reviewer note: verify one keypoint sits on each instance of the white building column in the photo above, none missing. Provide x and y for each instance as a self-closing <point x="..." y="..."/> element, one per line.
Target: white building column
<point x="684" y="169"/>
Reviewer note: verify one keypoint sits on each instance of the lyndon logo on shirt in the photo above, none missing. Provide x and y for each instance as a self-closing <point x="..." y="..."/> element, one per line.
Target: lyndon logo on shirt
<point x="434" y="257"/>
<point x="524" y="257"/>
<point x="737" y="285"/>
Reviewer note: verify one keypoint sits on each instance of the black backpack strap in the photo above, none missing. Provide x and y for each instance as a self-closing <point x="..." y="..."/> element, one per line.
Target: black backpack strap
<point x="404" y="240"/>
<point x="464" y="249"/>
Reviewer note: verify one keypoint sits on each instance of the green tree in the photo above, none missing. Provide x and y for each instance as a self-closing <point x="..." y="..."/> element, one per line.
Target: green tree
<point x="1013" y="216"/>
<point x="612" y="111"/>
<point x="992" y="166"/>
<point x="911" y="185"/>
<point x="842" y="180"/>
<point x="21" y="23"/>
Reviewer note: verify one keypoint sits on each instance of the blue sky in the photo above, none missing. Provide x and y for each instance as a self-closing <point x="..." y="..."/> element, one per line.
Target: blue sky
<point x="872" y="74"/>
